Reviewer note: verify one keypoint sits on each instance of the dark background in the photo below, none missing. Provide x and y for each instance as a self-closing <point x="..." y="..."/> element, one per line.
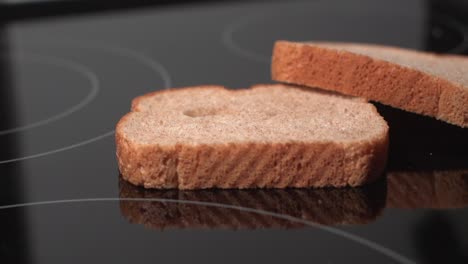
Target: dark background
<point x="196" y="42"/>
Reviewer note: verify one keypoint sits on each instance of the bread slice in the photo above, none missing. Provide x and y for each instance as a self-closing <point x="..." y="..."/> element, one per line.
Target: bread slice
<point x="423" y="83"/>
<point x="270" y="136"/>
<point x="326" y="206"/>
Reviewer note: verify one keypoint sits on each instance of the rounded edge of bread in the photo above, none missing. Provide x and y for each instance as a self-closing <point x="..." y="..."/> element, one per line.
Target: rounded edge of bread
<point x="149" y="166"/>
<point x="282" y="164"/>
<point x="358" y="75"/>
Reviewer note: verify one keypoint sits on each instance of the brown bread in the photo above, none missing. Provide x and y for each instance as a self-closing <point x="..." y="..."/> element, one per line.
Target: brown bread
<point x="419" y="82"/>
<point x="268" y="136"/>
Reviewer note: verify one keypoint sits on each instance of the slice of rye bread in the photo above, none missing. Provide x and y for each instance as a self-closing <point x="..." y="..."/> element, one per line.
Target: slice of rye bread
<point x="419" y="82"/>
<point x="271" y="136"/>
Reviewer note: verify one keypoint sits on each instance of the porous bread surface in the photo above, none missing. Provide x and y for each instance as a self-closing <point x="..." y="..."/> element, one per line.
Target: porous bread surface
<point x="266" y="136"/>
<point x="424" y="83"/>
<point x="271" y="113"/>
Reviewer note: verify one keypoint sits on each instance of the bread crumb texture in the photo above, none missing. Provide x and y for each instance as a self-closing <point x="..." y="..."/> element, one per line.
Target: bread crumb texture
<point x="419" y="82"/>
<point x="268" y="136"/>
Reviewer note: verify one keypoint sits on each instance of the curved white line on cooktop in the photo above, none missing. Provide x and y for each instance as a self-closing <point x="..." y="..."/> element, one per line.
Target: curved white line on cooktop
<point x="230" y="44"/>
<point x="139" y="56"/>
<point x="79" y="144"/>
<point x="76" y="67"/>
<point x="379" y="248"/>
<point x="236" y="25"/>
<point x="155" y="66"/>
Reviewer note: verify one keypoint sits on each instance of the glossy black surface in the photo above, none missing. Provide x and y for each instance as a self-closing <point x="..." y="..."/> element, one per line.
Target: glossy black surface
<point x="66" y="81"/>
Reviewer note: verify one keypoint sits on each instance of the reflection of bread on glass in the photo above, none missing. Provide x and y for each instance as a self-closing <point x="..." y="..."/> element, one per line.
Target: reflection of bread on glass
<point x="149" y="209"/>
<point x="452" y="190"/>
<point x="144" y="211"/>
<point x="322" y="206"/>
<point x="432" y="189"/>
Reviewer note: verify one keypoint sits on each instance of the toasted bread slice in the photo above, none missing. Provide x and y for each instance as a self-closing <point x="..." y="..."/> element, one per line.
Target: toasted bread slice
<point x="271" y="136"/>
<point x="423" y="83"/>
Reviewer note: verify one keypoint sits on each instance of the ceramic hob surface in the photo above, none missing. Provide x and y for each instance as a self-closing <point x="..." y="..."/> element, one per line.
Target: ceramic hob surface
<point x="66" y="81"/>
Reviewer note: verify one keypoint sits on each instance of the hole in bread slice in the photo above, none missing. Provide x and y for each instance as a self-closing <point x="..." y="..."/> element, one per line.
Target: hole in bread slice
<point x="200" y="112"/>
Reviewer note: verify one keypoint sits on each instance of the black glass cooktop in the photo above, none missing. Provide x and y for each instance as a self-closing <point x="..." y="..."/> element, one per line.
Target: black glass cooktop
<point x="66" y="80"/>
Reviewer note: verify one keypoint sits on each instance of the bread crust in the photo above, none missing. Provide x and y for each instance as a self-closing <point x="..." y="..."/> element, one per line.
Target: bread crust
<point x="249" y="165"/>
<point x="374" y="79"/>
